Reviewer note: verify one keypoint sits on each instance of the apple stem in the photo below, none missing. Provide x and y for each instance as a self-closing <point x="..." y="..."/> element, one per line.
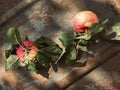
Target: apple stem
<point x="19" y="43"/>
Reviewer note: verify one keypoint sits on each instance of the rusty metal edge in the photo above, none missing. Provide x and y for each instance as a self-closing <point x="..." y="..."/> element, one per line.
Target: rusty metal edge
<point x="93" y="63"/>
<point x="15" y="10"/>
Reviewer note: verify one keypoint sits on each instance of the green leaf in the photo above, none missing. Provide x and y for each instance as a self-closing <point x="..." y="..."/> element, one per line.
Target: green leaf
<point x="82" y="48"/>
<point x="7" y="53"/>
<point x="71" y="53"/>
<point x="11" y="62"/>
<point x="52" y="49"/>
<point x="42" y="59"/>
<point x="105" y="22"/>
<point x="116" y="28"/>
<point x="43" y="42"/>
<point x="22" y="64"/>
<point x="32" y="66"/>
<point x="98" y="27"/>
<point x="68" y="62"/>
<point x="83" y="42"/>
<point x="14" y="35"/>
<point x="85" y="36"/>
<point x="51" y="56"/>
<point x="67" y="39"/>
<point x="10" y="51"/>
<point x="52" y="52"/>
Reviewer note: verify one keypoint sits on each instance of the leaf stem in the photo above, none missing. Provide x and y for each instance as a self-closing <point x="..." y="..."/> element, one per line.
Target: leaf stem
<point x="77" y="45"/>
<point x="108" y="40"/>
<point x="63" y="51"/>
<point x="19" y="42"/>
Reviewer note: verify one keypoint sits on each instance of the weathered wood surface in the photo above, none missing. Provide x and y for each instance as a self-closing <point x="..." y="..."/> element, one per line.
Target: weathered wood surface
<point x="104" y="77"/>
<point x="49" y="18"/>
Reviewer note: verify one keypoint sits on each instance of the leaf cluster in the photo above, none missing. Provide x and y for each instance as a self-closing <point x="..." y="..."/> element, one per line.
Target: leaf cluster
<point x="73" y="43"/>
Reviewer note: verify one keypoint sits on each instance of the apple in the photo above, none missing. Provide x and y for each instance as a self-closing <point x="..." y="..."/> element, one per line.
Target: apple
<point x="84" y="20"/>
<point x="26" y="51"/>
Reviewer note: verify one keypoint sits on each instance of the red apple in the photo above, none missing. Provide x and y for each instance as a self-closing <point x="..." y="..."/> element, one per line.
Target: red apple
<point x="84" y="20"/>
<point x="27" y="51"/>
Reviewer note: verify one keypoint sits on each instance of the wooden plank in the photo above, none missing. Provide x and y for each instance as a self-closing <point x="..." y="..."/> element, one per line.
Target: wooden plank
<point x="17" y="9"/>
